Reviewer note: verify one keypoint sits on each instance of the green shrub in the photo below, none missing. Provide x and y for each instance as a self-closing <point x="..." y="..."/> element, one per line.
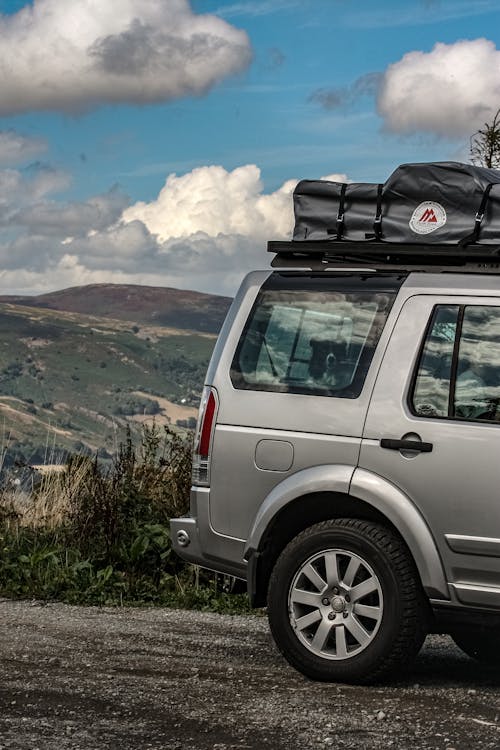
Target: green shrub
<point x="100" y="534"/>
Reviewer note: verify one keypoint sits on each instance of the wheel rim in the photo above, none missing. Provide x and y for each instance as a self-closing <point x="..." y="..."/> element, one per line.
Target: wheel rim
<point x="335" y="604"/>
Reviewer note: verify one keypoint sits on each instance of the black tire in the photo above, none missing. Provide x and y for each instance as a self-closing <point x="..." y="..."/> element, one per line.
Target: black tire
<point x="398" y="602"/>
<point x="481" y="644"/>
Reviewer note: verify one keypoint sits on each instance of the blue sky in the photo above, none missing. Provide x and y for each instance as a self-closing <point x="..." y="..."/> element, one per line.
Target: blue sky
<point x="100" y="107"/>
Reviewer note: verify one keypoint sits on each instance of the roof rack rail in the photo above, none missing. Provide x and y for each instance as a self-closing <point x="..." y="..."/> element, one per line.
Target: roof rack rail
<point x="328" y="255"/>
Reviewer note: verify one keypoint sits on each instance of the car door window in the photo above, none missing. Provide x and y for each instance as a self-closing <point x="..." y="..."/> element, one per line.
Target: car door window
<point x="477" y="390"/>
<point x="458" y="374"/>
<point x="431" y="394"/>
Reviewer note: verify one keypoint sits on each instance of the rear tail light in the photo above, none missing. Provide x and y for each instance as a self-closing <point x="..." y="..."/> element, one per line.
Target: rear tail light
<point x="204" y="437"/>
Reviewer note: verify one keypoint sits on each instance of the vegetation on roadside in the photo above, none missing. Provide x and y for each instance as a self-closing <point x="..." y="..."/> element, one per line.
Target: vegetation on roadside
<point x="95" y="534"/>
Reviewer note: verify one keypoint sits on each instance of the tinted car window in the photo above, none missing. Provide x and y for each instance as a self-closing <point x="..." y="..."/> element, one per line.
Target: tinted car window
<point x="458" y="375"/>
<point x="315" y="341"/>
<point x="477" y="391"/>
<point x="431" y="394"/>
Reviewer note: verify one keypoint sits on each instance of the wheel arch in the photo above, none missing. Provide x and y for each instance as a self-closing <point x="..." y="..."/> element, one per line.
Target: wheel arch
<point x="338" y="492"/>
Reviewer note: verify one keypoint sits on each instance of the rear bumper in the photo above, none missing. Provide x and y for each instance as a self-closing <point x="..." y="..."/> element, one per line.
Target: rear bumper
<point x="205" y="546"/>
<point x="186" y="528"/>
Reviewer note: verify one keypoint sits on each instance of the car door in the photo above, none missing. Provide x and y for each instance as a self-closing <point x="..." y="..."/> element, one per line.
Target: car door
<point x="439" y="386"/>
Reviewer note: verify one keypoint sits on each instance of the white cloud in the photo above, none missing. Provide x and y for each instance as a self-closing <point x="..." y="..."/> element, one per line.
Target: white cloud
<point x="22" y="189"/>
<point x="42" y="179"/>
<point x="75" y="219"/>
<point x="336" y="178"/>
<point x="450" y="91"/>
<point x="213" y="201"/>
<point x="204" y="231"/>
<point x="16" y="148"/>
<point x="72" y="55"/>
<point x="213" y="225"/>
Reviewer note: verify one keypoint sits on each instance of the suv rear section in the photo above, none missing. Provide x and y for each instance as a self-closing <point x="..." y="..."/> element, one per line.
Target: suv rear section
<point x="282" y="416"/>
<point x="346" y="462"/>
<point x="286" y="394"/>
<point x="325" y="462"/>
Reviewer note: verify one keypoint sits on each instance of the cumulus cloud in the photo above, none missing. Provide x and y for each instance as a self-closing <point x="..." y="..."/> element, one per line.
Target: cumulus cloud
<point x="129" y="247"/>
<point x="72" y="55"/>
<point x="213" y="201"/>
<point x="212" y="225"/>
<point x="450" y="91"/>
<point x="73" y="219"/>
<point x="40" y="179"/>
<point x="21" y="189"/>
<point x="204" y="231"/>
<point x="16" y="148"/>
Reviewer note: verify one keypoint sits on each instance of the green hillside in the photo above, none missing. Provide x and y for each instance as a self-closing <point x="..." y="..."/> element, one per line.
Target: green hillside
<point x="151" y="305"/>
<point x="72" y="382"/>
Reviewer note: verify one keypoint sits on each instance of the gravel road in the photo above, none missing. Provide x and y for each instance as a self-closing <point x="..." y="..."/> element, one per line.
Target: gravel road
<point x="85" y="678"/>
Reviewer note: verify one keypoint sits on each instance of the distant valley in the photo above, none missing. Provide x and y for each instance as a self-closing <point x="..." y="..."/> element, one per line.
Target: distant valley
<point x="77" y="366"/>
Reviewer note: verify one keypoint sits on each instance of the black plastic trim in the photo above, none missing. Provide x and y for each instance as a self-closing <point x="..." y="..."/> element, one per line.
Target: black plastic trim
<point x="252" y="557"/>
<point x="454" y="362"/>
<point x="449" y="618"/>
<point x="475" y="258"/>
<point x="406" y="445"/>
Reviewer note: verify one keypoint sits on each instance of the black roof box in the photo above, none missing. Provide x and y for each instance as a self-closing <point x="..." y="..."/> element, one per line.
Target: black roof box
<point x="443" y="203"/>
<point x="436" y="215"/>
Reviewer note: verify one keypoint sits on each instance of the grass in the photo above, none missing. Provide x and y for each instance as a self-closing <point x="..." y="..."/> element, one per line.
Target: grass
<point x="74" y="375"/>
<point x="94" y="534"/>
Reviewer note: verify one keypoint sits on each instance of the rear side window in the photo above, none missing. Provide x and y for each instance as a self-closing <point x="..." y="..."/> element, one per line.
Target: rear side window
<point x="317" y="340"/>
<point x="458" y="375"/>
<point x="431" y="394"/>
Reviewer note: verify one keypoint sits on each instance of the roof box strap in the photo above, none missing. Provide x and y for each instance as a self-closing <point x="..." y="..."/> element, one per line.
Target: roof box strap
<point x="474" y="237"/>
<point x="340" y="213"/>
<point x="377" y="224"/>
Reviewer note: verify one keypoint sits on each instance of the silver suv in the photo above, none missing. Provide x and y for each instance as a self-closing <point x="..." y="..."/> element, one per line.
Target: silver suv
<point x="347" y="456"/>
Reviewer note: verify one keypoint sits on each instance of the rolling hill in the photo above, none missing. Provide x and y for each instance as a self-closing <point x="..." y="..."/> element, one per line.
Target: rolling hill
<point x="71" y="381"/>
<point x="160" y="306"/>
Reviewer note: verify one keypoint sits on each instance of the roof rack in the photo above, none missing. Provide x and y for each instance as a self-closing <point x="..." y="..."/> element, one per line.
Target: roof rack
<point x="321" y="255"/>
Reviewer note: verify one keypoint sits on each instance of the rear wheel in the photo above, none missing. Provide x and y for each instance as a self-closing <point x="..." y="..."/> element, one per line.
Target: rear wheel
<point x="345" y="603"/>
<point x="479" y="643"/>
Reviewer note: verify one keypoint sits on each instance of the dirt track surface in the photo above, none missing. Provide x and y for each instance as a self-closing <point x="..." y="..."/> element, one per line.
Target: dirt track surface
<point x="91" y="679"/>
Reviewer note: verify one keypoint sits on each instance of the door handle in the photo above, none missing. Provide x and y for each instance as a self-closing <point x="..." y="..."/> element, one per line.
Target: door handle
<point x="406" y="445"/>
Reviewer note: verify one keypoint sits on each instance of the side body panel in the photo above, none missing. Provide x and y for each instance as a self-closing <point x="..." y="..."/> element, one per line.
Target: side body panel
<point x="455" y="488"/>
<point x="239" y="486"/>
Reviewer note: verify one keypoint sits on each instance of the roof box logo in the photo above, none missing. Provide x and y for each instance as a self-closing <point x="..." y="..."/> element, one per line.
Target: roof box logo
<point x="427" y="217"/>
